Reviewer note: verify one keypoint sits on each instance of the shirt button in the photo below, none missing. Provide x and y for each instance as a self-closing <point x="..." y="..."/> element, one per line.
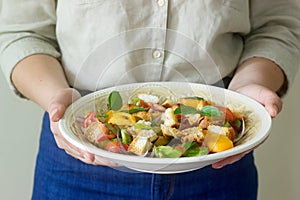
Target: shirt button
<point x="160" y="2"/>
<point x="156" y="54"/>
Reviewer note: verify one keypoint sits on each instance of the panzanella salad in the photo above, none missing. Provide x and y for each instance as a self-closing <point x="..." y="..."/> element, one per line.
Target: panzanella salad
<point x="150" y="125"/>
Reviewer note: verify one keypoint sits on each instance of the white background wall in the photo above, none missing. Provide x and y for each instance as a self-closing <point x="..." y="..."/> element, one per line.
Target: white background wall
<point x="19" y="130"/>
<point x="277" y="159"/>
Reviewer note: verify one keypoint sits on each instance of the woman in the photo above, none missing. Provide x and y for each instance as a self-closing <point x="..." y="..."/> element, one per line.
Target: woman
<point x="52" y="52"/>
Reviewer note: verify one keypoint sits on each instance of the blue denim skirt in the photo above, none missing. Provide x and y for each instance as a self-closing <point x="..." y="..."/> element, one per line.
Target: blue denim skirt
<point x="59" y="176"/>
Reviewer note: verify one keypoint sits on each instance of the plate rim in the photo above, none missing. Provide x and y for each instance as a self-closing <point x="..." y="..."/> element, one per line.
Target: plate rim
<point x="145" y="160"/>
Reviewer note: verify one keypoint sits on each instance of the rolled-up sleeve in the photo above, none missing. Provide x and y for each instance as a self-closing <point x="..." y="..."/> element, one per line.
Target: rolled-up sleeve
<point x="275" y="34"/>
<point x="26" y="28"/>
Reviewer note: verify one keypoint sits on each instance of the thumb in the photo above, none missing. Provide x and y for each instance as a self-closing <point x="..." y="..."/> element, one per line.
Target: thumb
<point x="60" y="102"/>
<point x="273" y="106"/>
<point x="271" y="102"/>
<point x="56" y="111"/>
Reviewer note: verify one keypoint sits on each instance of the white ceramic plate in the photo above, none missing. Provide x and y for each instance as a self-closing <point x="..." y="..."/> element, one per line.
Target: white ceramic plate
<point x="258" y="124"/>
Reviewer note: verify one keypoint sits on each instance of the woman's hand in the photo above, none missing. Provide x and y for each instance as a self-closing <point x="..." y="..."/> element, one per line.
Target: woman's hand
<point x="56" y="110"/>
<point x="257" y="78"/>
<point x="268" y="99"/>
<point x="41" y="78"/>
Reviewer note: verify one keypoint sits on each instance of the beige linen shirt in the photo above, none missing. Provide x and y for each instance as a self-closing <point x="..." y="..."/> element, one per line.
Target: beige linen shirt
<point x="102" y="43"/>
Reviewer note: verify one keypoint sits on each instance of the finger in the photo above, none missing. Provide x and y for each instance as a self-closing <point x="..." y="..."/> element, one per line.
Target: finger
<point x="70" y="149"/>
<point x="89" y="158"/>
<point x="60" y="102"/>
<point x="56" y="111"/>
<point x="103" y="161"/>
<point x="75" y="152"/>
<point x="66" y="96"/>
<point x="229" y="160"/>
<point x="270" y="100"/>
<point x="83" y="156"/>
<point x="235" y="158"/>
<point x="273" y="106"/>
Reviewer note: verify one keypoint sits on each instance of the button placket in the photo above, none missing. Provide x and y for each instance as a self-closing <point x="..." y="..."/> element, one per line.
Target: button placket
<point x="159" y="34"/>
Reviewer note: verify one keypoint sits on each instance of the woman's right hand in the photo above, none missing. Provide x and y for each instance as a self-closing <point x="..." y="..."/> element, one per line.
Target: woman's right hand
<point x="56" y="109"/>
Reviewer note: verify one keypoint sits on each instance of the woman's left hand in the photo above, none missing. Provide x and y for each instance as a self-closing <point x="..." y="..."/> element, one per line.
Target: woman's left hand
<point x="269" y="99"/>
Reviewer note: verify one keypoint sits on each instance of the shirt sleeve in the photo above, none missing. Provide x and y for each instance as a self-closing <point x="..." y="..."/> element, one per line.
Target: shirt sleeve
<point x="275" y="34"/>
<point x="26" y="28"/>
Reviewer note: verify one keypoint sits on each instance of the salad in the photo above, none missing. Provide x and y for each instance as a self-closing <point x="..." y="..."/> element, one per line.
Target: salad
<point x="155" y="126"/>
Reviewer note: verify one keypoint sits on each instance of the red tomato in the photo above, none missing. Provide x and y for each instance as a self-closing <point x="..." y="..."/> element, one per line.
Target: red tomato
<point x="229" y="116"/>
<point x="89" y="119"/>
<point x="115" y="147"/>
<point x="144" y="104"/>
<point x="104" y="137"/>
<point x="232" y="133"/>
<point x="105" y="133"/>
<point x="179" y="117"/>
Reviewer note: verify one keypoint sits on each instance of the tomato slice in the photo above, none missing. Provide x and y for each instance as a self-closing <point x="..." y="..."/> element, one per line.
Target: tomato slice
<point x="179" y="117"/>
<point x="113" y="146"/>
<point x="105" y="137"/>
<point x="232" y="133"/>
<point x="106" y="133"/>
<point x="89" y="119"/>
<point x="144" y="104"/>
<point x="229" y="116"/>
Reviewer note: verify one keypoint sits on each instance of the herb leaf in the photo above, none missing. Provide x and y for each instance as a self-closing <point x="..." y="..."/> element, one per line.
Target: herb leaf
<point x="167" y="152"/>
<point x="135" y="110"/>
<point x="102" y="115"/>
<point x="142" y="126"/>
<point x="185" y="110"/>
<point x="210" y="111"/>
<point x="115" y="101"/>
<point x="195" y="98"/>
<point x="195" y="150"/>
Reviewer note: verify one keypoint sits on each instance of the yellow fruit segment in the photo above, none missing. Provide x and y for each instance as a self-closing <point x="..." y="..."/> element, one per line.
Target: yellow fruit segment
<point x="217" y="142"/>
<point x="198" y="104"/>
<point x="120" y="118"/>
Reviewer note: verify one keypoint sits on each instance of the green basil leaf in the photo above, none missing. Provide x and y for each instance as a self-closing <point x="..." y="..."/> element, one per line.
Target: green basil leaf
<point x="185" y="110"/>
<point x="187" y="145"/>
<point x="102" y="115"/>
<point x="210" y="111"/>
<point x="142" y="126"/>
<point x="113" y="128"/>
<point x="115" y="101"/>
<point x="135" y="110"/>
<point x="194" y="98"/>
<point x="238" y="123"/>
<point x="166" y="152"/>
<point x="125" y="137"/>
<point x="103" y="143"/>
<point x="135" y="101"/>
<point x="227" y="124"/>
<point x="195" y="150"/>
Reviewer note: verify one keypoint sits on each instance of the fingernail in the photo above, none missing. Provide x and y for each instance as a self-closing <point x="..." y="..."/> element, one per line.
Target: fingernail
<point x="88" y="157"/>
<point x="217" y="166"/>
<point x="275" y="110"/>
<point x="53" y="112"/>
